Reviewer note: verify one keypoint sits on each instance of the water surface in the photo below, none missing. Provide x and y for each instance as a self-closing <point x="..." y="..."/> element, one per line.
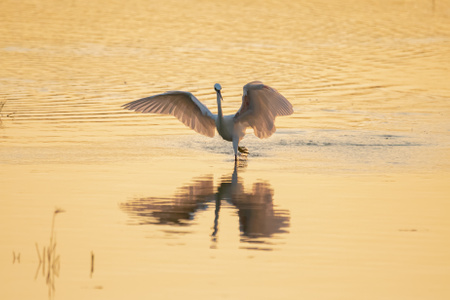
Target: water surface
<point x="349" y="199"/>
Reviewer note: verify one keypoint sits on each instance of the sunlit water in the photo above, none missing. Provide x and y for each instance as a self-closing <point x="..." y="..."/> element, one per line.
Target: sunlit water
<point x="349" y="199"/>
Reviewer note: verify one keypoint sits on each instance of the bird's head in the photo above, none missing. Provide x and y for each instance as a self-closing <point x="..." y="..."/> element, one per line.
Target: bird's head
<point x="218" y="87"/>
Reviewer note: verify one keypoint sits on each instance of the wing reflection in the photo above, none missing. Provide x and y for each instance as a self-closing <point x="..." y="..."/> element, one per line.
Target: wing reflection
<point x="259" y="219"/>
<point x="178" y="210"/>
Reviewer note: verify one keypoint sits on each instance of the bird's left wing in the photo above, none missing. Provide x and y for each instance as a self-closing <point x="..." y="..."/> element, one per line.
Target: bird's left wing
<point x="183" y="105"/>
<point x="261" y="104"/>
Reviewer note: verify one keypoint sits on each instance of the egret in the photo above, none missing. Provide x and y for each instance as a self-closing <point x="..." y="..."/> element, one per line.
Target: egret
<point x="261" y="104"/>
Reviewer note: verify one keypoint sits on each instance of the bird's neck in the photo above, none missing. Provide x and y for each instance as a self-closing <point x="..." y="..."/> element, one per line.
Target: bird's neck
<point x="219" y="108"/>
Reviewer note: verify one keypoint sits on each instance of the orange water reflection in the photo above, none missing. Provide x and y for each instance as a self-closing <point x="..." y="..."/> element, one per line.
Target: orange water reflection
<point x="259" y="219"/>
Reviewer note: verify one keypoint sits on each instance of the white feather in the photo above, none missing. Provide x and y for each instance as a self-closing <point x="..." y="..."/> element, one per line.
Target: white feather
<point x="261" y="104"/>
<point x="183" y="105"/>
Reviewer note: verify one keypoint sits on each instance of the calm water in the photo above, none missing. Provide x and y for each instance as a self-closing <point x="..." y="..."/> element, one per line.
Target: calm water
<point x="350" y="199"/>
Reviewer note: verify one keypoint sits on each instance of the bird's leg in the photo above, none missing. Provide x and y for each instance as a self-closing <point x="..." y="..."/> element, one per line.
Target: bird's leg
<point x="235" y="147"/>
<point x="243" y="150"/>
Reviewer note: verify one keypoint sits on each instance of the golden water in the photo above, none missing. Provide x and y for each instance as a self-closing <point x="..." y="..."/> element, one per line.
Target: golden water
<point x="350" y="199"/>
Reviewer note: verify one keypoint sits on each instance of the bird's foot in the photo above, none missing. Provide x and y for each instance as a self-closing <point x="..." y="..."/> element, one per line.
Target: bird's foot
<point x="243" y="150"/>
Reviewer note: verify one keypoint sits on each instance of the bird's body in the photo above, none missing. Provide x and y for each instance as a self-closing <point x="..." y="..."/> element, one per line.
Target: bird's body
<point x="261" y="104"/>
<point x="225" y="127"/>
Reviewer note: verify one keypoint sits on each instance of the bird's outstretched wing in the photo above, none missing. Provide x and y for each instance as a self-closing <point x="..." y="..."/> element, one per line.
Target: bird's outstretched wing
<point x="261" y="104"/>
<point x="183" y="105"/>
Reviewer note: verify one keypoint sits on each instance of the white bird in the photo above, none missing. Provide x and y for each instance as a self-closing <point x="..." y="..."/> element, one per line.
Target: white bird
<point x="261" y="104"/>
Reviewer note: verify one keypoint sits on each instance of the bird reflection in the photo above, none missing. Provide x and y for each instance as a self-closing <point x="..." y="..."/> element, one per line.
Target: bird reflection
<point x="259" y="219"/>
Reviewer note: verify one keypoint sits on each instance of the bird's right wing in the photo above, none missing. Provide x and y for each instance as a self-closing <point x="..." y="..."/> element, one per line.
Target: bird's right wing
<point x="183" y="105"/>
<point x="261" y="104"/>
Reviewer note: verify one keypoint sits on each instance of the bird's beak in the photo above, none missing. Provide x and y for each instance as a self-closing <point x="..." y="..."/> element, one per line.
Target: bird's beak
<point x="220" y="95"/>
